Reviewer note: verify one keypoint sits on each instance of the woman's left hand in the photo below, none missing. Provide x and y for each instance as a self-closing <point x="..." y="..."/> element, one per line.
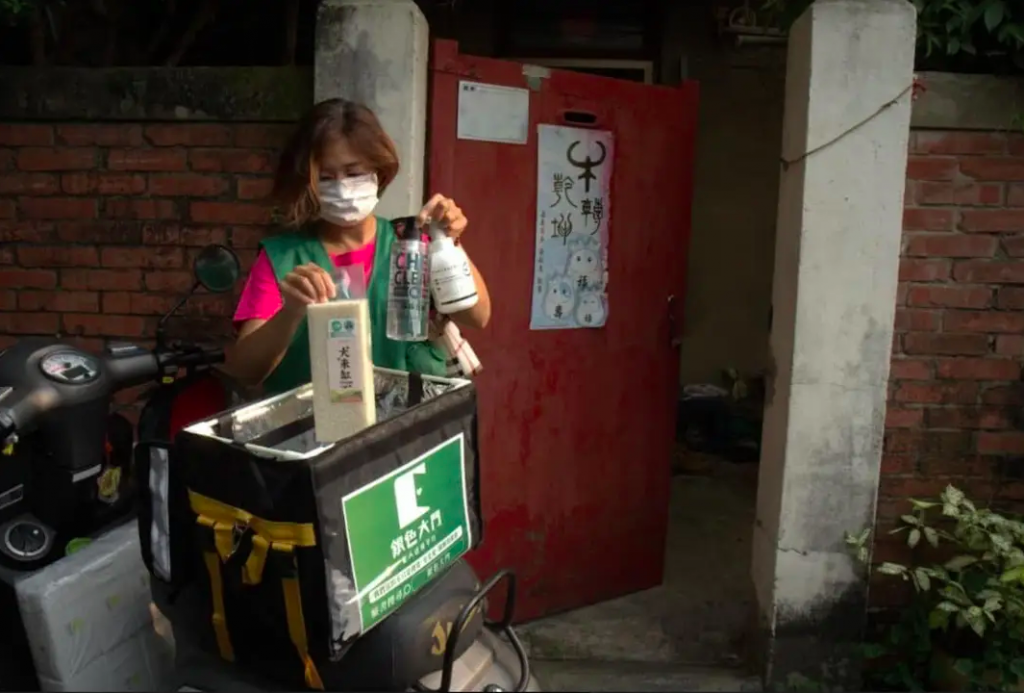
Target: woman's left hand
<point x="446" y="213"/>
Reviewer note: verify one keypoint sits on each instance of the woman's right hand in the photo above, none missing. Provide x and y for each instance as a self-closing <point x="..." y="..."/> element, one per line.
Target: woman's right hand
<point x="305" y="285"/>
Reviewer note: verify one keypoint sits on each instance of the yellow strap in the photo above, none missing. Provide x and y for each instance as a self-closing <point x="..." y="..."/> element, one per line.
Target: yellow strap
<point x="294" y="533"/>
<point x="297" y="624"/>
<point x="219" y="619"/>
<point x="252" y="571"/>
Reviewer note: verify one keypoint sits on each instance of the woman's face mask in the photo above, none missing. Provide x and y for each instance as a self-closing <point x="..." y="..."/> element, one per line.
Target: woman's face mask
<point x="349" y="200"/>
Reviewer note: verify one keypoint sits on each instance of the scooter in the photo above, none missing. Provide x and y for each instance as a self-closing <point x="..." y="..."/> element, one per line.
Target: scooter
<point x="65" y="458"/>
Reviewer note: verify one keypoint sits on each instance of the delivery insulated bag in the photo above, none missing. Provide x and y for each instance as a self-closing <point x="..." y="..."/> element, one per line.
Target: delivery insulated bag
<point x="299" y="548"/>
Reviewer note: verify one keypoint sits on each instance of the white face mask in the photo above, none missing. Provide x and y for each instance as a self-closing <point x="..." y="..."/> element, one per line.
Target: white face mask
<point x="348" y="200"/>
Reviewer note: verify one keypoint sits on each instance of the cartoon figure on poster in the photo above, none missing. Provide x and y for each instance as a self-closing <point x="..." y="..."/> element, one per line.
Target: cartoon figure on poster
<point x="571" y="254"/>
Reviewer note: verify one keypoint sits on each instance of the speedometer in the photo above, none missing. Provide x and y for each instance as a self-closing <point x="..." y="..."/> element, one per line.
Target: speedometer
<point x="71" y="367"/>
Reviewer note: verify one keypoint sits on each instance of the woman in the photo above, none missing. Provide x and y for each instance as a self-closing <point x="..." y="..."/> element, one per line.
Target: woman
<point x="328" y="182"/>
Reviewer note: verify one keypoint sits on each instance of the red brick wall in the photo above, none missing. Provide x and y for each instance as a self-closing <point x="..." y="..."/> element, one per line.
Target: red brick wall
<point x="99" y="223"/>
<point x="956" y="401"/>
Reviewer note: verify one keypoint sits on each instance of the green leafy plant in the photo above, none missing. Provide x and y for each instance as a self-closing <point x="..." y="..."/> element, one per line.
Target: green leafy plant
<point x="957" y="35"/>
<point x="968" y="604"/>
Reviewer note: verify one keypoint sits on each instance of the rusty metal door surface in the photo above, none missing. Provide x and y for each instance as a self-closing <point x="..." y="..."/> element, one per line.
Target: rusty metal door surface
<point x="576" y="426"/>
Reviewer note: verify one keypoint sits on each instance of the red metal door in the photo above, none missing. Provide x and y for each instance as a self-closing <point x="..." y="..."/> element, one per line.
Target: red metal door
<point x="576" y="425"/>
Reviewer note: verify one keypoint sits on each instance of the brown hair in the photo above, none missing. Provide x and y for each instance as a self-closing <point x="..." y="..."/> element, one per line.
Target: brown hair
<point x="298" y="170"/>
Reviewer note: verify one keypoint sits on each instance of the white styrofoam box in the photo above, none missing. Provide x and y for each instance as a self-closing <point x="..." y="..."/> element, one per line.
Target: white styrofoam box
<point x="89" y="613"/>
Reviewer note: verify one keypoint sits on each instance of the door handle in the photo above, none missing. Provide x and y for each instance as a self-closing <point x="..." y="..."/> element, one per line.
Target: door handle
<point x="675" y="339"/>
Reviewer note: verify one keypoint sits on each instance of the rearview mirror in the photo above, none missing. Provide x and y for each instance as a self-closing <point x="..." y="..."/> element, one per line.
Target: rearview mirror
<point x="216" y="269"/>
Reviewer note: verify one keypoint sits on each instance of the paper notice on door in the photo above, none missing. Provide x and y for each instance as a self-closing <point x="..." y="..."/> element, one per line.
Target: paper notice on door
<point x="492" y="113"/>
<point x="570" y="275"/>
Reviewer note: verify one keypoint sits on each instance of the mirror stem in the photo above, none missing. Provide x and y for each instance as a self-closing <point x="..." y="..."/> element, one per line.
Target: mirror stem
<point x="160" y="326"/>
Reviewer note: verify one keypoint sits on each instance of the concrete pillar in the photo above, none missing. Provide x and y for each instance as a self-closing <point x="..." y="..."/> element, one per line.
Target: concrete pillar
<point x="849" y="70"/>
<point x="375" y="52"/>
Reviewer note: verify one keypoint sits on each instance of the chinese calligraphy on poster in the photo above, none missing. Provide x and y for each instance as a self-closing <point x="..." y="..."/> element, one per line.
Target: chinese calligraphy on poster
<point x="570" y="276"/>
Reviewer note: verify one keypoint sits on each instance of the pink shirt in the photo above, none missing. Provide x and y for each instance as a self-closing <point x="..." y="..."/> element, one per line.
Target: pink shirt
<point x="261" y="297"/>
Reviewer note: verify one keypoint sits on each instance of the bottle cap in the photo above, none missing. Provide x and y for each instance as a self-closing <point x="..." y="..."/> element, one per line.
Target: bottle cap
<point x="406" y="228"/>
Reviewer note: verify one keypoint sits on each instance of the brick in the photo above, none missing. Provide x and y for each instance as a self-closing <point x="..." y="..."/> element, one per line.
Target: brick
<point x="17" y="278"/>
<point x="1011" y="394"/>
<point x="187" y="185"/>
<point x="30" y="323"/>
<point x="957" y="193"/>
<point x="978" y="369"/>
<point x="989" y="272"/>
<point x="6" y="159"/>
<point x="59" y="301"/>
<point x="936" y="392"/>
<point x="1013" y="246"/>
<point x="992" y="220"/>
<point x="141" y="209"/>
<point x="28" y="184"/>
<point x="945" y="344"/>
<point x="103" y="184"/>
<point x="152" y="257"/>
<point x="57" y="256"/>
<point x="914" y="270"/>
<point x="910" y="369"/>
<point x="1010" y="298"/>
<point x="56" y="158"/>
<point x="901" y="417"/>
<point x="993" y="168"/>
<point x="25" y="135"/>
<point x="101" y="232"/>
<point x="7" y="209"/>
<point x="262" y="136"/>
<point x="939" y="142"/>
<point x="100" y="135"/>
<point x="949" y="296"/>
<point x="1010" y="345"/>
<point x="1015" y="195"/>
<point x="972" y="417"/>
<point x="897" y="464"/>
<point x="57" y="207"/>
<point x="105" y="325"/>
<point x="229" y="213"/>
<point x="147" y="160"/>
<point x="172" y="234"/>
<point x="959" y="465"/>
<point x="8" y="300"/>
<point x="992" y="443"/>
<point x="983" y="321"/>
<point x="931" y="168"/>
<point x="950" y="245"/>
<point x="247" y="237"/>
<point x="255" y="188"/>
<point x="230" y="161"/>
<point x="189" y="135"/>
<point x="101" y="279"/>
<point x="917" y="320"/>
<point x="928" y="219"/>
<point x="918" y="487"/>
<point x="169" y="281"/>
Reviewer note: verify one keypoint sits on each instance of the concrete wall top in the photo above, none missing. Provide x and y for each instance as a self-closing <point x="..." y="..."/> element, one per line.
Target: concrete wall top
<point x="969" y="102"/>
<point x="191" y="94"/>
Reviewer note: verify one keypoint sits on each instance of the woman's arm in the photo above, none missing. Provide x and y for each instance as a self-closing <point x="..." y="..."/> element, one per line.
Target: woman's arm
<point x="479" y="315"/>
<point x="260" y="346"/>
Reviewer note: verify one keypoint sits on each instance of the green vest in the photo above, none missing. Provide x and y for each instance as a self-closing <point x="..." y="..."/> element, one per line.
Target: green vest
<point x="288" y="251"/>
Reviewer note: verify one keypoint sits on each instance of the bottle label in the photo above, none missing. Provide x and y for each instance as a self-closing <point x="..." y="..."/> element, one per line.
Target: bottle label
<point x="407" y="280"/>
<point x="452" y="280"/>
<point x="344" y="362"/>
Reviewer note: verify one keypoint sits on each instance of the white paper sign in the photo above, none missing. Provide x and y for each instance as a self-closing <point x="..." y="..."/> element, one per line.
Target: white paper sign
<point x="491" y="113"/>
<point x="570" y="276"/>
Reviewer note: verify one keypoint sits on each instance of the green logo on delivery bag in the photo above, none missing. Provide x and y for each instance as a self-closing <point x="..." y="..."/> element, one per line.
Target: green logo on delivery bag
<point x="406" y="528"/>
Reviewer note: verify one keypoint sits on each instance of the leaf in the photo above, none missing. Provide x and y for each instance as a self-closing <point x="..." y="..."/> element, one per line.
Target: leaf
<point x="923" y="505"/>
<point x="964" y="667"/>
<point x="1017" y="667"/>
<point x="910" y="520"/>
<point x="994" y="14"/>
<point x="931" y="536"/>
<point x="948" y="607"/>
<point x="914" y="537"/>
<point x="975" y="618"/>
<point x="1012" y="575"/>
<point x="923" y="580"/>
<point x="891" y="569"/>
<point x="953" y="495"/>
<point x="872" y="650"/>
<point x="938" y="620"/>
<point x="960" y="562"/>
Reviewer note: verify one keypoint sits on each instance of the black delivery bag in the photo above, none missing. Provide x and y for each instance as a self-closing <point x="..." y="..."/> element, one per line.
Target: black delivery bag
<point x="299" y="548"/>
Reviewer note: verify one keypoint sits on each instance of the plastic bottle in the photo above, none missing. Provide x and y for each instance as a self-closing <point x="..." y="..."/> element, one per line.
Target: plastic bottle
<point x="408" y="293"/>
<point x="451" y="279"/>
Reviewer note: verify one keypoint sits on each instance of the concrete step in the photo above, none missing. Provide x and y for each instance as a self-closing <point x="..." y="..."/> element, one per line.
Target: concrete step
<point x="637" y="676"/>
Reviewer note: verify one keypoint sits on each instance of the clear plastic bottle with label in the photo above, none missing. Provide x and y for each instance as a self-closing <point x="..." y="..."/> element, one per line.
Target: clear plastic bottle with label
<point x="451" y="278"/>
<point x="408" y="292"/>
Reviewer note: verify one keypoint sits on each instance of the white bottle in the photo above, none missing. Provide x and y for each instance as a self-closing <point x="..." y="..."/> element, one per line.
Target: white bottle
<point x="451" y="279"/>
<point x="344" y="401"/>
